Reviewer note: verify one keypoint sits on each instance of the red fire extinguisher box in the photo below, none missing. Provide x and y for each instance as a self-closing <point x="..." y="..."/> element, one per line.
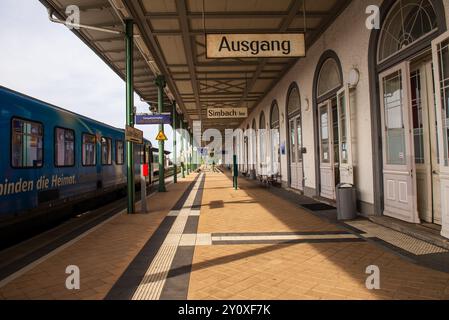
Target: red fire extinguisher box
<point x="145" y="170"/>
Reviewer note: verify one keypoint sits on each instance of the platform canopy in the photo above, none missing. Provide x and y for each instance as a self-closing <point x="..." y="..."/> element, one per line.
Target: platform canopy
<point x="170" y="40"/>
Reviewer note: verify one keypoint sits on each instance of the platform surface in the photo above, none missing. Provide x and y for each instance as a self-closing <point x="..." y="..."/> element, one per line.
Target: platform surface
<point x="205" y="240"/>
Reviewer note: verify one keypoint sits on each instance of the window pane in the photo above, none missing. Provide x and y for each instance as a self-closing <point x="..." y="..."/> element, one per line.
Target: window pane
<point x="294" y="102"/>
<point x="27" y="144"/>
<point x="324" y="116"/>
<point x="343" y="128"/>
<point x="299" y="136"/>
<point x="106" y="151"/>
<point x="276" y="151"/>
<point x="443" y="60"/>
<point x="417" y="114"/>
<point x="335" y="137"/>
<point x="120" y="150"/>
<point x="89" y="150"/>
<point x="407" y="22"/>
<point x="274" y="117"/>
<point x="329" y="78"/>
<point x="147" y="154"/>
<point x="64" y="147"/>
<point x="395" y="133"/>
<point x="292" y="142"/>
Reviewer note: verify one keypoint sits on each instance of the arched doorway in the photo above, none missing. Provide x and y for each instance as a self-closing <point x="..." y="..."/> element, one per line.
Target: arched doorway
<point x="275" y="144"/>
<point x="262" y="146"/>
<point x="330" y="99"/>
<point x="406" y="107"/>
<point x="295" y="141"/>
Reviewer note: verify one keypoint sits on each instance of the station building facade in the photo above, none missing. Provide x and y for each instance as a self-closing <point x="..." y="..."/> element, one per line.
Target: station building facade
<point x="368" y="107"/>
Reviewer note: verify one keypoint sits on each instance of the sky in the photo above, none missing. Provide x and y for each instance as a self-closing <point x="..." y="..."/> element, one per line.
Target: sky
<point x="47" y="61"/>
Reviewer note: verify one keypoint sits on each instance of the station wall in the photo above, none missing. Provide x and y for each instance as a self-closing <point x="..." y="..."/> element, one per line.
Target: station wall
<point x="349" y="38"/>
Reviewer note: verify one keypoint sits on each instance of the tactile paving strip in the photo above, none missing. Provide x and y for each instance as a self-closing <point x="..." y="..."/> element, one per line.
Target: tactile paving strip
<point x="155" y="277"/>
<point x="397" y="239"/>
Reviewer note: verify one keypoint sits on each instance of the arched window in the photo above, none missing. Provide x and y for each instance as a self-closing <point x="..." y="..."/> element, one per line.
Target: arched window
<point x="407" y="22"/>
<point x="329" y="78"/>
<point x="262" y="121"/>
<point x="294" y="102"/>
<point x="274" y="117"/>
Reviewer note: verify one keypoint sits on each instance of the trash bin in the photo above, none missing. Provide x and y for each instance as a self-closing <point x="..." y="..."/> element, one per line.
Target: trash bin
<point x="346" y="201"/>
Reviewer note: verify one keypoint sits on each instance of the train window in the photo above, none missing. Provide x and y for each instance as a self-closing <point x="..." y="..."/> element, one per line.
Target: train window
<point x="64" y="147"/>
<point x="155" y="157"/>
<point x="106" y="151"/>
<point x="89" y="150"/>
<point x="119" y="152"/>
<point x="147" y="153"/>
<point x="27" y="144"/>
<point x="138" y="152"/>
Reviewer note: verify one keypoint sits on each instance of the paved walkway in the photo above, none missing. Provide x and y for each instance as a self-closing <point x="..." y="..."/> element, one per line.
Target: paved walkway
<point x="323" y="265"/>
<point x="101" y="255"/>
<point x="204" y="240"/>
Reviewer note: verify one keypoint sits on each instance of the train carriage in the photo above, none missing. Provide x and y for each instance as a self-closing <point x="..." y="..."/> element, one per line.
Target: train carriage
<point x="52" y="159"/>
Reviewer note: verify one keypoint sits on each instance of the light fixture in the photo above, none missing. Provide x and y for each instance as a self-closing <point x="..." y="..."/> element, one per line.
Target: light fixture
<point x="354" y="77"/>
<point x="306" y="104"/>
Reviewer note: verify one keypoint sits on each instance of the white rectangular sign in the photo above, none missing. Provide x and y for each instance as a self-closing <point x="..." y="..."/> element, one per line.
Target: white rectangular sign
<point x="277" y="45"/>
<point x="227" y="113"/>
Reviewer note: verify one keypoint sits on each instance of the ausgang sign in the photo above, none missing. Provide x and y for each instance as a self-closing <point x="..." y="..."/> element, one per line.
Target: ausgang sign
<point x="227" y="113"/>
<point x="278" y="45"/>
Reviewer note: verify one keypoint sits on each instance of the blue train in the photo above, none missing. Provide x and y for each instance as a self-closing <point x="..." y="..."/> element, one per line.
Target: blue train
<point x="52" y="159"/>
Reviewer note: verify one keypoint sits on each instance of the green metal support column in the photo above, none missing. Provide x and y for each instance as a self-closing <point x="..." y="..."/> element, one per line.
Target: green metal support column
<point x="183" y="173"/>
<point x="160" y="82"/>
<point x="175" y="154"/>
<point x="130" y="112"/>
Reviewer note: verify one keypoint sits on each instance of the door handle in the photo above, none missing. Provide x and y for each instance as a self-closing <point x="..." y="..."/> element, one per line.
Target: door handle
<point x="435" y="172"/>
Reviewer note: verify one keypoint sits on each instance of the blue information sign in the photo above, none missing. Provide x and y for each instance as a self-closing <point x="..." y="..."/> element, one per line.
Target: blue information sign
<point x="149" y="119"/>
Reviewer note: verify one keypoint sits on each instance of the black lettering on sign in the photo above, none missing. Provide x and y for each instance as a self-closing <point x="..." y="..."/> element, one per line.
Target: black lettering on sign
<point x="255" y="47"/>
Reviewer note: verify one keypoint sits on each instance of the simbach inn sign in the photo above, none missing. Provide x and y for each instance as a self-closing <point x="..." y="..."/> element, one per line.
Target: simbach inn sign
<point x="277" y="45"/>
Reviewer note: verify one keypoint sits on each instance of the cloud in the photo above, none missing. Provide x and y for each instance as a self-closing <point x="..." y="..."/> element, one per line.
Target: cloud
<point x="47" y="61"/>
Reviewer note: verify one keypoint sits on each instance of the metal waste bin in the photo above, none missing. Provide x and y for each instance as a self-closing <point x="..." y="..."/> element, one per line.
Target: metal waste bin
<point x="346" y="201"/>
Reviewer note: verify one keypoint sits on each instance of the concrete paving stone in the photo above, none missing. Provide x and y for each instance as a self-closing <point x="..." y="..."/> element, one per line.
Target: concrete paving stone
<point x="329" y="271"/>
<point x="102" y="256"/>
